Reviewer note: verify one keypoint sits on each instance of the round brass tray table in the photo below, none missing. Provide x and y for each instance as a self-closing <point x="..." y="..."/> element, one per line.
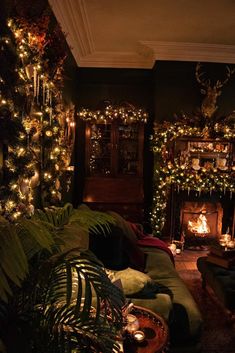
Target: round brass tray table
<point x="155" y="330"/>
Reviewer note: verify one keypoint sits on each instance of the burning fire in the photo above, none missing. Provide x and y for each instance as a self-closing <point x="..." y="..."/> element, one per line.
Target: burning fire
<point x="199" y="225"/>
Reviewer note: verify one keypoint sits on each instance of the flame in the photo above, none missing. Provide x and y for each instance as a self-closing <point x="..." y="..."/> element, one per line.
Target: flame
<point x="199" y="225"/>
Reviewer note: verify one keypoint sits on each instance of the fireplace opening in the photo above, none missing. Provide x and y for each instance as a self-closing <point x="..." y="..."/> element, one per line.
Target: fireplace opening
<point x="199" y="225"/>
<point x="200" y="221"/>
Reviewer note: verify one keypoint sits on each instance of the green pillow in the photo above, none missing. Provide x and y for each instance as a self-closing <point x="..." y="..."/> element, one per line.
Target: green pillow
<point x="135" y="283"/>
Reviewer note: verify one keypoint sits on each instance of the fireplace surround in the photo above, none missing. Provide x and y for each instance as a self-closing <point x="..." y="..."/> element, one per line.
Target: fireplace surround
<point x="201" y="219"/>
<point x="200" y="222"/>
<point x="213" y="212"/>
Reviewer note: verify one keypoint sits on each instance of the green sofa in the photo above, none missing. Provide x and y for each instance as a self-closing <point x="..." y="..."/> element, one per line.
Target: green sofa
<point x="172" y="301"/>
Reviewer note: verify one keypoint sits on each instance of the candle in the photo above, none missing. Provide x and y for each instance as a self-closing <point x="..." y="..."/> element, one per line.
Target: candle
<point x="231" y="244"/>
<point x="139" y="336"/>
<point x="222" y="242"/>
<point x="172" y="247"/>
<point x="227" y="237"/>
<point x="132" y="323"/>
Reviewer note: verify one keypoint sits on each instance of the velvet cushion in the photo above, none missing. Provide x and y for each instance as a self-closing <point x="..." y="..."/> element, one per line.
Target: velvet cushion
<point x="132" y="280"/>
<point x="135" y="283"/>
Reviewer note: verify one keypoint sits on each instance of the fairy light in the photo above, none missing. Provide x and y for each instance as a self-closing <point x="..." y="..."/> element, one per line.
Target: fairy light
<point x="127" y="113"/>
<point x="167" y="173"/>
<point x="48" y="97"/>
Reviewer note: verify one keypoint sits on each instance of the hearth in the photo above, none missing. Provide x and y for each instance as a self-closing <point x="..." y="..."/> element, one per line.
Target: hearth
<point x="201" y="219"/>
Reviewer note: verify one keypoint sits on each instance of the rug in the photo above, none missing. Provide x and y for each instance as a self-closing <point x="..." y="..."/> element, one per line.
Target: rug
<point x="218" y="334"/>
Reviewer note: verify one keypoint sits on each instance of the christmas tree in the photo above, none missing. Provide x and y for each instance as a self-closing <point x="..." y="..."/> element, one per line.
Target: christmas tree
<point x="36" y="130"/>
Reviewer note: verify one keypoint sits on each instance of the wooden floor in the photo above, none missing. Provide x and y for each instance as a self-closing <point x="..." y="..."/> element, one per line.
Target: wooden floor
<point x="187" y="260"/>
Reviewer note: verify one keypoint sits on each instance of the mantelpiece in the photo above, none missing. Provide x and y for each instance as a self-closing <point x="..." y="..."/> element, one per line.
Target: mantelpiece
<point x="193" y="159"/>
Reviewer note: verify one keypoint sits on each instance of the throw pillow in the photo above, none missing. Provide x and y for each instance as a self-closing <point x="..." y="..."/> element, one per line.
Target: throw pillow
<point x="135" y="283"/>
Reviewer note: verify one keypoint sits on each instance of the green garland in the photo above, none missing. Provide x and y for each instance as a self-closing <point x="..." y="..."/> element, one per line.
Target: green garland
<point x="168" y="171"/>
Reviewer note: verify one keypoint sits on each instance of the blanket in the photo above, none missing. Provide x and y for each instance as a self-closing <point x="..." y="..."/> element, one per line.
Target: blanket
<point x="149" y="240"/>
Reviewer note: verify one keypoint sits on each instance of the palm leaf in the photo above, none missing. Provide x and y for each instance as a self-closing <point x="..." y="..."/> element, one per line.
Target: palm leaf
<point x="78" y="300"/>
<point x="13" y="261"/>
<point x="58" y="216"/>
<point x="37" y="231"/>
<point x="72" y="236"/>
<point x="94" y="221"/>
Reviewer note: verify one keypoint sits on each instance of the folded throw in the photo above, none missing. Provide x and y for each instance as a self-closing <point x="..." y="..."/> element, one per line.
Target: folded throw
<point x="148" y="240"/>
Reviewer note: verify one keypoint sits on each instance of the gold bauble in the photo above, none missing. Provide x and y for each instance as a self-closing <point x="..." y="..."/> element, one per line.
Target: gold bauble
<point x="48" y="133"/>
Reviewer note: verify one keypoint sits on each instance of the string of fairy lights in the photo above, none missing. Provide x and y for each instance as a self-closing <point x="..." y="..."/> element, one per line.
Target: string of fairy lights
<point x="170" y="171"/>
<point x="126" y="113"/>
<point x="45" y="130"/>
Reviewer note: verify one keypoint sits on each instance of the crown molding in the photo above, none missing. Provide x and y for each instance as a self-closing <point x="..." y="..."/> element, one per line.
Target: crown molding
<point x="75" y="24"/>
<point x="218" y="53"/>
<point x="116" y="60"/>
<point x="153" y="51"/>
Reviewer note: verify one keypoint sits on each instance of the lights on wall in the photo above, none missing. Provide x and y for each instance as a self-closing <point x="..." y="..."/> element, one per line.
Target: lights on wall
<point x="127" y="113"/>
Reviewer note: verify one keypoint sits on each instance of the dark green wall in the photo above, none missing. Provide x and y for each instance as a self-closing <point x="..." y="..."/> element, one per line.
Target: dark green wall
<point x="176" y="89"/>
<point x="169" y="88"/>
<point x="90" y="88"/>
<point x="166" y="90"/>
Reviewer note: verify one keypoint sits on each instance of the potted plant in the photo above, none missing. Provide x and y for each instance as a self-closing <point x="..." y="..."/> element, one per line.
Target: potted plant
<point x="56" y="296"/>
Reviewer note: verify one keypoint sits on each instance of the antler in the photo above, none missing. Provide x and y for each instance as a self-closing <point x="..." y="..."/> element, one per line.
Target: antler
<point x="220" y="84"/>
<point x="211" y="92"/>
<point x="199" y="74"/>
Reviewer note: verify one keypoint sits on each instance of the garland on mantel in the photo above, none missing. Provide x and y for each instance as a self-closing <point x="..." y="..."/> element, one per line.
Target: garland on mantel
<point x="169" y="170"/>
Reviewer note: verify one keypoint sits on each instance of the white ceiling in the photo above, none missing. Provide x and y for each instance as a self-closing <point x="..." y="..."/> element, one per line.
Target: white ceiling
<point x="135" y="33"/>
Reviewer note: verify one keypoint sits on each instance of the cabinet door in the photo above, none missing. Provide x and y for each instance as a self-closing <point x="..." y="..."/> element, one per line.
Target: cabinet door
<point x="99" y="149"/>
<point x="129" y="144"/>
<point x="114" y="149"/>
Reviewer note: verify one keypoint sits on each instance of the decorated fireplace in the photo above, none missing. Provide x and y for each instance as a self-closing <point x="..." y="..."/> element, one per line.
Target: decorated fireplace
<point x="195" y="186"/>
<point x="194" y="169"/>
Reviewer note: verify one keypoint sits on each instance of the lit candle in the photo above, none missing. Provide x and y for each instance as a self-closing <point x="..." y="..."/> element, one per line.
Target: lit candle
<point x="139" y="336"/>
<point x="231" y="244"/>
<point x="132" y="323"/>
<point x="172" y="247"/>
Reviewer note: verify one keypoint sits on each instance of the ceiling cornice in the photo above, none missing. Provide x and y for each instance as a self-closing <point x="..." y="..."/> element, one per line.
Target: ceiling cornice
<point x="218" y="53"/>
<point x="75" y="24"/>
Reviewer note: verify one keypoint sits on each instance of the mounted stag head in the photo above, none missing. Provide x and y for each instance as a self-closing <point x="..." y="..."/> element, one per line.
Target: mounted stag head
<point x="210" y="91"/>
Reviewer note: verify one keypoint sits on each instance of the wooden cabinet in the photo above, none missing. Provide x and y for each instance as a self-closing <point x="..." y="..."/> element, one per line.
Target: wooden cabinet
<point x="114" y="167"/>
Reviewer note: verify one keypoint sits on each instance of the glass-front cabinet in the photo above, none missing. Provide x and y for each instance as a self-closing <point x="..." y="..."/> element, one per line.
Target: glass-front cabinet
<point x="99" y="149"/>
<point x="114" y="167"/>
<point x="114" y="149"/>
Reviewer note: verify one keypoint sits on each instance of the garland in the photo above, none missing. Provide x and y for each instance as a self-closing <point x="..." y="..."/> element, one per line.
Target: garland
<point x="170" y="171"/>
<point x="125" y="112"/>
